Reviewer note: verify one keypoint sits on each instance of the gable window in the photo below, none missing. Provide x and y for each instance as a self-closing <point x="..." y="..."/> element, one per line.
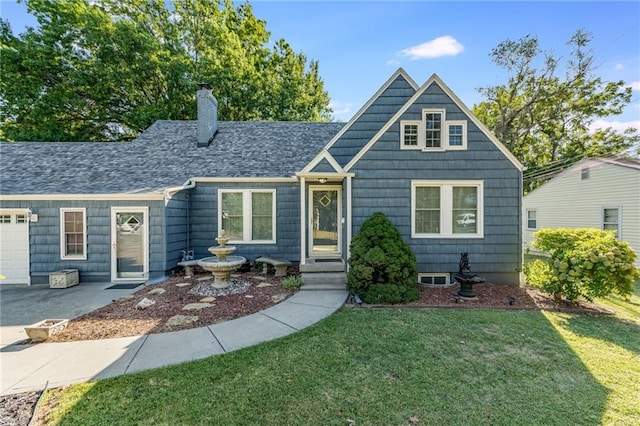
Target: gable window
<point x="433" y="120"/>
<point x="73" y="233"/>
<point x="532" y="219"/>
<point x="611" y="220"/>
<point x="410" y="134"/>
<point x="452" y="209"/>
<point x="433" y="132"/>
<point x="247" y="216"/>
<point x="457" y="134"/>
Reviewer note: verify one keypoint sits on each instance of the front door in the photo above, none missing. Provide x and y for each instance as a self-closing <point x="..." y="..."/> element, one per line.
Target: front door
<point x="325" y="214"/>
<point x="129" y="243"/>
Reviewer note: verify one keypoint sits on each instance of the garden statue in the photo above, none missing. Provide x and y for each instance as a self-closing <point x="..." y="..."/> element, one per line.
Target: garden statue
<point x="466" y="278"/>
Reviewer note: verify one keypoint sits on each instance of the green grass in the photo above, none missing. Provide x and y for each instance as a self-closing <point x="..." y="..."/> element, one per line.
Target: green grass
<point x="381" y="367"/>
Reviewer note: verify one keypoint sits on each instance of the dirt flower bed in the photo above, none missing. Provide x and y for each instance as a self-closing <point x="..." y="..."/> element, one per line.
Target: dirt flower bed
<point x="177" y="305"/>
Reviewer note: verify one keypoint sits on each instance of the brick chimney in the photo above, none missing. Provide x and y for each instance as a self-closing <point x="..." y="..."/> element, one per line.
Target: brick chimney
<point x="207" y="115"/>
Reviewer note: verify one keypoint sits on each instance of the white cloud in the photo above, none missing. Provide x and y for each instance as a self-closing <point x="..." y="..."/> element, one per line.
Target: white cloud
<point x="619" y="67"/>
<point x="618" y="126"/>
<point x="635" y="85"/>
<point x="441" y="46"/>
<point x="342" y="111"/>
<point x="393" y="62"/>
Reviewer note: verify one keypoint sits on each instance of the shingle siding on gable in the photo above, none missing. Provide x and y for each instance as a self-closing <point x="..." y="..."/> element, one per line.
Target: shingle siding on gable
<point x="323" y="167"/>
<point x="204" y="220"/>
<point x="372" y="120"/>
<point x="383" y="178"/>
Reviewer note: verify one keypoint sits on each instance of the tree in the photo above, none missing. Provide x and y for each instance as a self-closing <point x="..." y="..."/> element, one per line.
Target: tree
<point x="542" y="117"/>
<point x="107" y="69"/>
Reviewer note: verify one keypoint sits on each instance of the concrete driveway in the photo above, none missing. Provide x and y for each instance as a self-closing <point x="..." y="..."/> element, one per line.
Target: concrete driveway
<point x="22" y="305"/>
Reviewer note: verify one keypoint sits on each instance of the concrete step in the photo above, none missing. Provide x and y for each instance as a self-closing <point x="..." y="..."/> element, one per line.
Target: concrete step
<point x="330" y="265"/>
<point x="324" y="281"/>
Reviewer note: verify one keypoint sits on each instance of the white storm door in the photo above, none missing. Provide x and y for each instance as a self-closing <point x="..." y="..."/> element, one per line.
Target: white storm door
<point x="129" y="243"/>
<point x="325" y="216"/>
<point x="14" y="247"/>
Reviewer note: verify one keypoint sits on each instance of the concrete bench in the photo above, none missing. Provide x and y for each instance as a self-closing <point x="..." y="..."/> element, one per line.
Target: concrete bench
<point x="187" y="265"/>
<point x="280" y="265"/>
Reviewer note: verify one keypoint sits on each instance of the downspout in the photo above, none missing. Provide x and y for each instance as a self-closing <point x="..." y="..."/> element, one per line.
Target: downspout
<point x="169" y="193"/>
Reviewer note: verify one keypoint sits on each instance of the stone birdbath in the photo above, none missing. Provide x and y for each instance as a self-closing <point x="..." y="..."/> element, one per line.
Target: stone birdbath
<point x="221" y="265"/>
<point x="467" y="279"/>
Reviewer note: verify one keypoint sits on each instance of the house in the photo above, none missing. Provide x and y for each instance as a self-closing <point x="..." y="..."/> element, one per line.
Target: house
<point x="297" y="191"/>
<point x="602" y="193"/>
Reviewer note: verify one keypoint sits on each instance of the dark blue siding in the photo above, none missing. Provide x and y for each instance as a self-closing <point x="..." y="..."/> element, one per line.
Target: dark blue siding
<point x="44" y="238"/>
<point x="382" y="183"/>
<point x="372" y="120"/>
<point x="204" y="218"/>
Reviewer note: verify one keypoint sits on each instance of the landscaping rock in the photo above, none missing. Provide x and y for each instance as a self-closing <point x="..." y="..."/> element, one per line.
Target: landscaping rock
<point x="277" y="298"/>
<point x="157" y="291"/>
<point x="264" y="285"/>
<point x="183" y="284"/>
<point x="179" y="320"/>
<point x="145" y="303"/>
<point x="196" y="306"/>
<point x="208" y="299"/>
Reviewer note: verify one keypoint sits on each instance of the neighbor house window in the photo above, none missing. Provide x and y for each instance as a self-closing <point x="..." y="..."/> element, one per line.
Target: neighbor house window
<point x="584" y="173"/>
<point x="447" y="209"/>
<point x="247" y="216"/>
<point x="5" y="218"/>
<point x="457" y="134"/>
<point x="611" y="220"/>
<point x="410" y="134"/>
<point x="73" y="233"/>
<point x="532" y="219"/>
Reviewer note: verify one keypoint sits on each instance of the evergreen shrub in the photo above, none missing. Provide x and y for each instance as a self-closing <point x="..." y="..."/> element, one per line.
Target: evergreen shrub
<point x="382" y="267"/>
<point x="584" y="262"/>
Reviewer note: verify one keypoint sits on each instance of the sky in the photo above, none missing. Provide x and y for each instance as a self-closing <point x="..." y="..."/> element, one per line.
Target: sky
<point x="360" y="44"/>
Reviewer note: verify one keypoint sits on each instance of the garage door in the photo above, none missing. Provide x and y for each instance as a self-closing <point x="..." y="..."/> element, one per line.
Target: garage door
<point x="14" y="247"/>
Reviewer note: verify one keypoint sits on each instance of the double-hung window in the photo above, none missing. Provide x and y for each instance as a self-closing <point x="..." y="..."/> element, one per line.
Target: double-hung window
<point x="433" y="132"/>
<point x="450" y="209"/>
<point x="532" y="219"/>
<point x="73" y="233"/>
<point x="611" y="220"/>
<point x="247" y="215"/>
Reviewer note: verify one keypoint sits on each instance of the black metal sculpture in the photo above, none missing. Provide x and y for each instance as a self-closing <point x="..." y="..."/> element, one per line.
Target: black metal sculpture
<point x="466" y="278"/>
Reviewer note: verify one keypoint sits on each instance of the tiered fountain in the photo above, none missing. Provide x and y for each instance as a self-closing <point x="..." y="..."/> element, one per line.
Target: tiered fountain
<point x="221" y="264"/>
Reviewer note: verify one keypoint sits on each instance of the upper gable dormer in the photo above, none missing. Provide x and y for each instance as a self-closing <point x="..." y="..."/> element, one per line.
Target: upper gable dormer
<point x="364" y="125"/>
<point x="434" y="120"/>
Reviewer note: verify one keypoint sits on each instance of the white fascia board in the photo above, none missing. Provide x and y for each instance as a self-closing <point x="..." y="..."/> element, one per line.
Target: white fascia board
<point x="244" y="179"/>
<point x="315" y="175"/>
<point x="147" y="196"/>
<point x="399" y="72"/>
<point x="434" y="79"/>
<point x="324" y="155"/>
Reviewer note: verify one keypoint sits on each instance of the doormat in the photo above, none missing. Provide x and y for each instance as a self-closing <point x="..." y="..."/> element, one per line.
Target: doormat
<point x="124" y="286"/>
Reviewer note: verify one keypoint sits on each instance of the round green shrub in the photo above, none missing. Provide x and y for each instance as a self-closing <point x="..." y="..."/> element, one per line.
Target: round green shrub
<point x="584" y="262"/>
<point x="382" y="268"/>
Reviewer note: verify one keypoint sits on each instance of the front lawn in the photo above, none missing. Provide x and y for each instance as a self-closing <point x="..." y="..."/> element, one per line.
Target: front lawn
<point x="391" y="367"/>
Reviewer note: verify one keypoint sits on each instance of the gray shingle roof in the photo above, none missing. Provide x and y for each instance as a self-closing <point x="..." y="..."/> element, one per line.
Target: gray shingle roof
<point x="165" y="155"/>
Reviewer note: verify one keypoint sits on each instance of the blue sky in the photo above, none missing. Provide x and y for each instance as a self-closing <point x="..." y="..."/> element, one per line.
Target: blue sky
<point x="359" y="44"/>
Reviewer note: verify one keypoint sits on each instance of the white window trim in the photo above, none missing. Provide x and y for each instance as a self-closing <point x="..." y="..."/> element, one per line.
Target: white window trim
<point x="63" y="244"/>
<point x="446" y="208"/>
<point x="247" y="214"/>
<point x="526" y="219"/>
<point x="420" y="144"/>
<point x="445" y="275"/>
<point x="602" y="223"/>
<point x="443" y="129"/>
<point x="462" y="123"/>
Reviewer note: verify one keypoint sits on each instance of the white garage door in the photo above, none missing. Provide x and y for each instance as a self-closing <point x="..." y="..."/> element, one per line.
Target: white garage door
<point x="14" y="247"/>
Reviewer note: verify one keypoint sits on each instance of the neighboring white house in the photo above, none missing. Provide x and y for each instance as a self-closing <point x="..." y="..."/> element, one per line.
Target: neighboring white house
<point x="601" y="193"/>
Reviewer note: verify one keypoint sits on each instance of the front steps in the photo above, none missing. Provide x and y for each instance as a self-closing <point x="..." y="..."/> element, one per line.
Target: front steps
<point x="321" y="274"/>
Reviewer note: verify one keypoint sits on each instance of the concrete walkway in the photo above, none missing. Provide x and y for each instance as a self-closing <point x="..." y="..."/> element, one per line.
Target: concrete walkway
<point x="36" y="366"/>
